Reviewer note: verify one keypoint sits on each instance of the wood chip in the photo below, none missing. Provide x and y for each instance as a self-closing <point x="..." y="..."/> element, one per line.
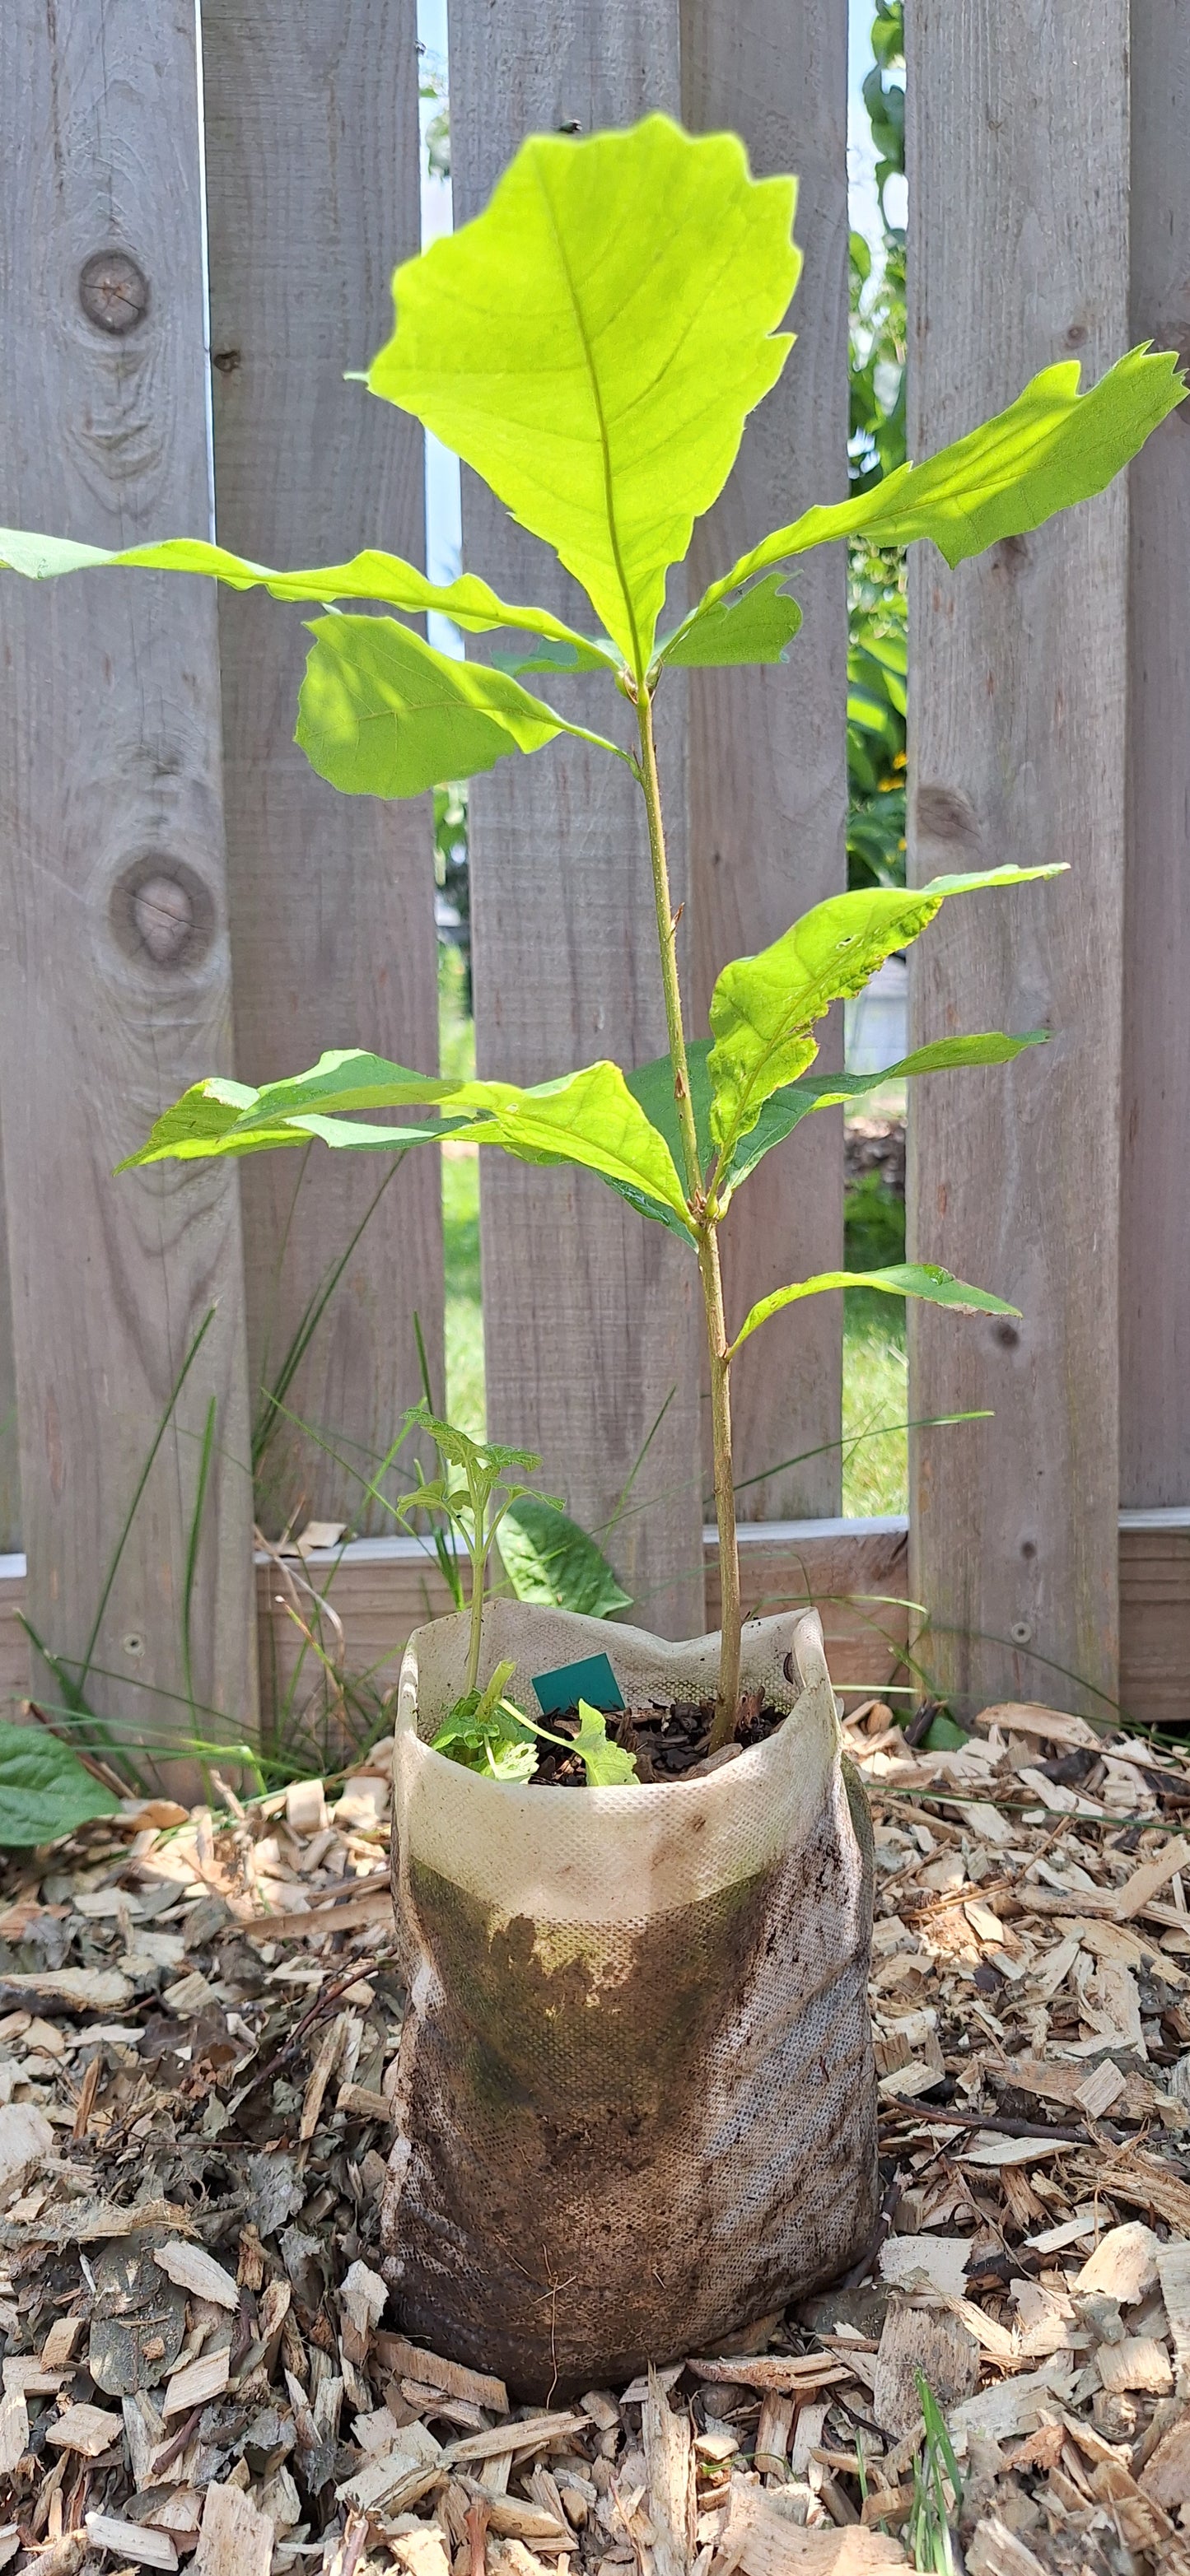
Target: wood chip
<point x="409" y="2361"/>
<point x="26" y="2139"/>
<point x="320" y="2075"/>
<point x="14" y="2429"/>
<point x="786" y="2373"/>
<point x="60" y="2342"/>
<point x="198" y="2383"/>
<point x="236" y="2539"/>
<point x="1123" y="2266"/>
<point x="1101" y="2088"/>
<point x="1165" y="2477"/>
<point x="1150" y="1878"/>
<point x="1138" y="2362"/>
<point x="1173" y="2272"/>
<point x="926" y="2340"/>
<point x="193" y="2269"/>
<point x="941" y="2260"/>
<point x="532" y="2434"/>
<point x="135" y="2541"/>
<point x="669" y="2491"/>
<point x="87" y="2429"/>
<point x="772" y="2434"/>
<point x="994" y="2550"/>
<point x="760" y="2540"/>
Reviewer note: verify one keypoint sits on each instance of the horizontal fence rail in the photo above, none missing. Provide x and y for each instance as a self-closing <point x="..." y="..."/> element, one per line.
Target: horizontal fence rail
<point x="179" y="893"/>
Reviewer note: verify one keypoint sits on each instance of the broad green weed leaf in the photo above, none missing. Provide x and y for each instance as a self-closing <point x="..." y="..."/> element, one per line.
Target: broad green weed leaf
<point x="382" y="714"/>
<point x="593" y="342"/>
<point x="1053" y="446"/>
<point x="784" y="1111"/>
<point x="472" y="603"/>
<point x="608" y="1765"/>
<point x="763" y="1008"/>
<point x="549" y="1559"/>
<point x="757" y="626"/>
<point x="45" y="1791"/>
<point x="904" y="1279"/>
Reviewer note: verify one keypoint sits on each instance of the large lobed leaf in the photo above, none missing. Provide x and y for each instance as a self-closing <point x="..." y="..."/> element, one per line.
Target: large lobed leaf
<point x="382" y="714"/>
<point x="1053" y="446"/>
<point x="905" y="1279"/>
<point x="589" y="1118"/>
<point x="763" y="1008"/>
<point x="593" y="342"/>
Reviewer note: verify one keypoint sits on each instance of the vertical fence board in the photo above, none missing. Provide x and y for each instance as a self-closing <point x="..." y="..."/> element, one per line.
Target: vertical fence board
<point x="767" y="757"/>
<point x="10" y="1482"/>
<point x="1155" y="1201"/>
<point x="1018" y="173"/>
<point x="114" y="976"/>
<point x="589" y="1313"/>
<point x="313" y="191"/>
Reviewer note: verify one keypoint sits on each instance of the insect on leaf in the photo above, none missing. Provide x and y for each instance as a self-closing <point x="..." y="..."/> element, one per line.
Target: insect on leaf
<point x="763" y="1008"/>
<point x="593" y="342"/>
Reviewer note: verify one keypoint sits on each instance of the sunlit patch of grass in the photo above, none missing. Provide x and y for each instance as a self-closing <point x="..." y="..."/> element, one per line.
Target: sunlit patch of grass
<point x="875" y="1392"/>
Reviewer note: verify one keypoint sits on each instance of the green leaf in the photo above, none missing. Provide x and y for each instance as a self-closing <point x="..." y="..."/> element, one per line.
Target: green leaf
<point x="756" y="626"/>
<point x="906" y="1279"/>
<point x="208" y="1120"/>
<point x="382" y="714"/>
<point x="549" y="1559"/>
<point x="763" y="1008"/>
<point x="589" y="1118"/>
<point x="1053" y="446"/>
<point x="45" y="1791"/>
<point x="593" y="342"/>
<point x="784" y="1111"/>
<point x="472" y="603"/>
<point x="608" y="1765"/>
<point x="580" y="655"/>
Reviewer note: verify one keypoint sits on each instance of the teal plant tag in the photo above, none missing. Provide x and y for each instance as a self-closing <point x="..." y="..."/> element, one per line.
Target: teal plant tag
<point x="592" y="1680"/>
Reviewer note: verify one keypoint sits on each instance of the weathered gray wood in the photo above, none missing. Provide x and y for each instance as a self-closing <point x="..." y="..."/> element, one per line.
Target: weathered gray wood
<point x="1155" y="1197"/>
<point x="313" y="192"/>
<point x="590" y="1315"/>
<point x="1019" y="258"/>
<point x="114" y="975"/>
<point x="10" y="1481"/>
<point x="767" y="756"/>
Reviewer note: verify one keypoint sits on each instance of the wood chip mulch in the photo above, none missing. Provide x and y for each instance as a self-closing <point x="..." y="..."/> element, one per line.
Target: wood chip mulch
<point x="198" y="2025"/>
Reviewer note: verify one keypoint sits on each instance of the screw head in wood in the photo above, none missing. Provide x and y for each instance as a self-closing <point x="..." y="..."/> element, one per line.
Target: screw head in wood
<point x="113" y="292"/>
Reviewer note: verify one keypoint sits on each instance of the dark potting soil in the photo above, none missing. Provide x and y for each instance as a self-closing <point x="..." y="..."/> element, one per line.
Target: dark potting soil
<point x="668" y="1740"/>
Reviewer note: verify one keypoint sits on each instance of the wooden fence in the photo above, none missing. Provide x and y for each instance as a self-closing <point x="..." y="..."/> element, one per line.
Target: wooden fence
<point x="179" y="893"/>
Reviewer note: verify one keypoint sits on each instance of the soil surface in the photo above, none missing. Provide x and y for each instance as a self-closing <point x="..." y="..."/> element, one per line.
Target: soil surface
<point x="670" y="1740"/>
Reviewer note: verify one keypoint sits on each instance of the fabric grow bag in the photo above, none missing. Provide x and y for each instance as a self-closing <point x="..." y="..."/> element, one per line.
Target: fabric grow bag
<point x="636" y="2099"/>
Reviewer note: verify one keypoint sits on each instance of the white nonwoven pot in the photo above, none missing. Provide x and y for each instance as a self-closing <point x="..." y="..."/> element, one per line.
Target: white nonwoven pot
<point x="636" y="2103"/>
